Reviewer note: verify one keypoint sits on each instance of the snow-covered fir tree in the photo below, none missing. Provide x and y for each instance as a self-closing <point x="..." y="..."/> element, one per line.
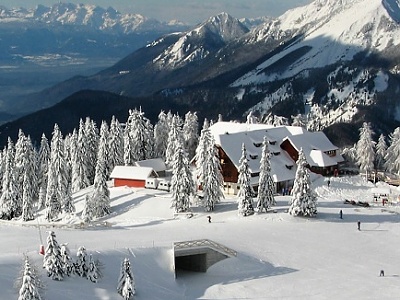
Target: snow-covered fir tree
<point x="81" y="263"/>
<point x="10" y="205"/>
<point x="190" y="133"/>
<point x="303" y="201"/>
<point x="266" y="185"/>
<point x="251" y="118"/>
<point x="381" y="151"/>
<point x="299" y="120"/>
<point x="52" y="260"/>
<point x="93" y="273"/>
<point x="80" y="171"/>
<point x="203" y="146"/>
<point x="182" y="184"/>
<point x="67" y="261"/>
<point x="126" y="282"/>
<point x="88" y="209"/>
<point x="365" y="149"/>
<point x="101" y="195"/>
<point x="43" y="167"/>
<point x="58" y="197"/>
<point x="175" y="139"/>
<point x="20" y="148"/>
<point x="29" y="183"/>
<point x="139" y="136"/>
<point x="92" y="140"/>
<point x="246" y="192"/>
<point x="161" y="131"/>
<point x="115" y="146"/>
<point x="392" y="158"/>
<point x="30" y="285"/>
<point x="213" y="183"/>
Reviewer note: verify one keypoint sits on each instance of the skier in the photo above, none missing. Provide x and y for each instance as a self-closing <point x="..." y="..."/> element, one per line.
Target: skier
<point x="341" y="214"/>
<point x="359" y="225"/>
<point x="209" y="219"/>
<point x="329" y="182"/>
<point x="382" y="273"/>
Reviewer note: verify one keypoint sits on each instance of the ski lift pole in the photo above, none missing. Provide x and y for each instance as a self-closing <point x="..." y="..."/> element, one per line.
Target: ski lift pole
<point x="41" y="248"/>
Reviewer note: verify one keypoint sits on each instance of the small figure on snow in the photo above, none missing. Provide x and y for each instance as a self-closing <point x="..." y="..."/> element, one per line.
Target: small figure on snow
<point x="341" y="214"/>
<point x="382" y="273"/>
<point x="209" y="219"/>
<point x="359" y="225"/>
<point x="329" y="183"/>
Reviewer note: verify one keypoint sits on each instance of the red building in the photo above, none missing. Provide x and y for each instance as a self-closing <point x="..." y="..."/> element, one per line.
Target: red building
<point x="132" y="176"/>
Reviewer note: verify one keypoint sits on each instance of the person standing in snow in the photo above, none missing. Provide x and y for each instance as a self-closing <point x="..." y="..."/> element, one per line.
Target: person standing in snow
<point x="359" y="225"/>
<point x="341" y="214"/>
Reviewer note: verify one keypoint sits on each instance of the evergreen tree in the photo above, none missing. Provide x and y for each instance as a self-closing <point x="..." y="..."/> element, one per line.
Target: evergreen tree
<point x="303" y="201"/>
<point x="246" y="192"/>
<point x="67" y="261"/>
<point x="139" y="135"/>
<point x="190" y="133"/>
<point x="43" y="168"/>
<point x="20" y="148"/>
<point x="213" y="181"/>
<point x="10" y="205"/>
<point x="182" y="185"/>
<point x="365" y="149"/>
<point x="381" y="150"/>
<point x="81" y="263"/>
<point x="93" y="273"/>
<point x="80" y="171"/>
<point x="101" y="194"/>
<point x="266" y="186"/>
<point x="204" y="145"/>
<point x="88" y="209"/>
<point x="92" y="140"/>
<point x="175" y="140"/>
<point x="161" y="131"/>
<point x="52" y="260"/>
<point x="29" y="184"/>
<point x="30" y="285"/>
<point x="115" y="146"/>
<point x="393" y="152"/>
<point x="126" y="282"/>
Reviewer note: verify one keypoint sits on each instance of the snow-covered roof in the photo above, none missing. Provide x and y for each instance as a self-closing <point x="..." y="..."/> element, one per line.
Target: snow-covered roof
<point x="132" y="172"/>
<point x="230" y="136"/>
<point x="314" y="144"/>
<point x="157" y="164"/>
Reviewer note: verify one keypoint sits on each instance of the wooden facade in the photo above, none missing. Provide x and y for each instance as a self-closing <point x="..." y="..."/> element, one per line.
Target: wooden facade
<point x="229" y="171"/>
<point x="137" y="183"/>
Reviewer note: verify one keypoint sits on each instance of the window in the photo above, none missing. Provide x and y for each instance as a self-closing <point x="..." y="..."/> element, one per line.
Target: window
<point x="257" y="145"/>
<point x="253" y="156"/>
<point x="272" y="142"/>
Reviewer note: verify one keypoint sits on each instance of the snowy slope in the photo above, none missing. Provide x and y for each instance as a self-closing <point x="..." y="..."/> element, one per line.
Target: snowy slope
<point x="332" y="31"/>
<point x="279" y="256"/>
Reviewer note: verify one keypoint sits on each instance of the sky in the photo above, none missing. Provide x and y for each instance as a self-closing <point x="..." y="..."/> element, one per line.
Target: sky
<point x="189" y="11"/>
<point x="278" y="256"/>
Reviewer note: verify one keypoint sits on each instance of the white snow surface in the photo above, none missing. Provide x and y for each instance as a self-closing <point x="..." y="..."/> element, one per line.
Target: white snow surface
<point x="279" y="256"/>
<point x="335" y="31"/>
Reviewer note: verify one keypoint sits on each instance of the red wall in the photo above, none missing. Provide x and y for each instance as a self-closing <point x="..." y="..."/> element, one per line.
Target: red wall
<point x="129" y="182"/>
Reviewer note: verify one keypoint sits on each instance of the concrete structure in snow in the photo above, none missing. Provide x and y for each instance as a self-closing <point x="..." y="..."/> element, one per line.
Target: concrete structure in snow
<point x="284" y="143"/>
<point x="199" y="255"/>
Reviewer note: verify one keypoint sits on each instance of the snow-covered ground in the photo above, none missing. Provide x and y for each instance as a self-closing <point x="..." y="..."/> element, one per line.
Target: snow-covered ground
<point x="279" y="256"/>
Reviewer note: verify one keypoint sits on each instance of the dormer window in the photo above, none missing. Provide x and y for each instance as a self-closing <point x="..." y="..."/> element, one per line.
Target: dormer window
<point x="289" y="167"/>
<point x="253" y="156"/>
<point x="276" y="153"/>
<point x="272" y="142"/>
<point x="257" y="145"/>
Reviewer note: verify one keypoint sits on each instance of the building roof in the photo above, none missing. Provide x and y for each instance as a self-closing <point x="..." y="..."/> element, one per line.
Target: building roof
<point x="314" y="144"/>
<point x="157" y="164"/>
<point x="230" y="136"/>
<point x="132" y="172"/>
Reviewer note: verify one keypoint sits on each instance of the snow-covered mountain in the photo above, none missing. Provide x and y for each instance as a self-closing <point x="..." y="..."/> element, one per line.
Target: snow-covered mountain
<point x="91" y="16"/>
<point x="330" y="63"/>
<point x="203" y="40"/>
